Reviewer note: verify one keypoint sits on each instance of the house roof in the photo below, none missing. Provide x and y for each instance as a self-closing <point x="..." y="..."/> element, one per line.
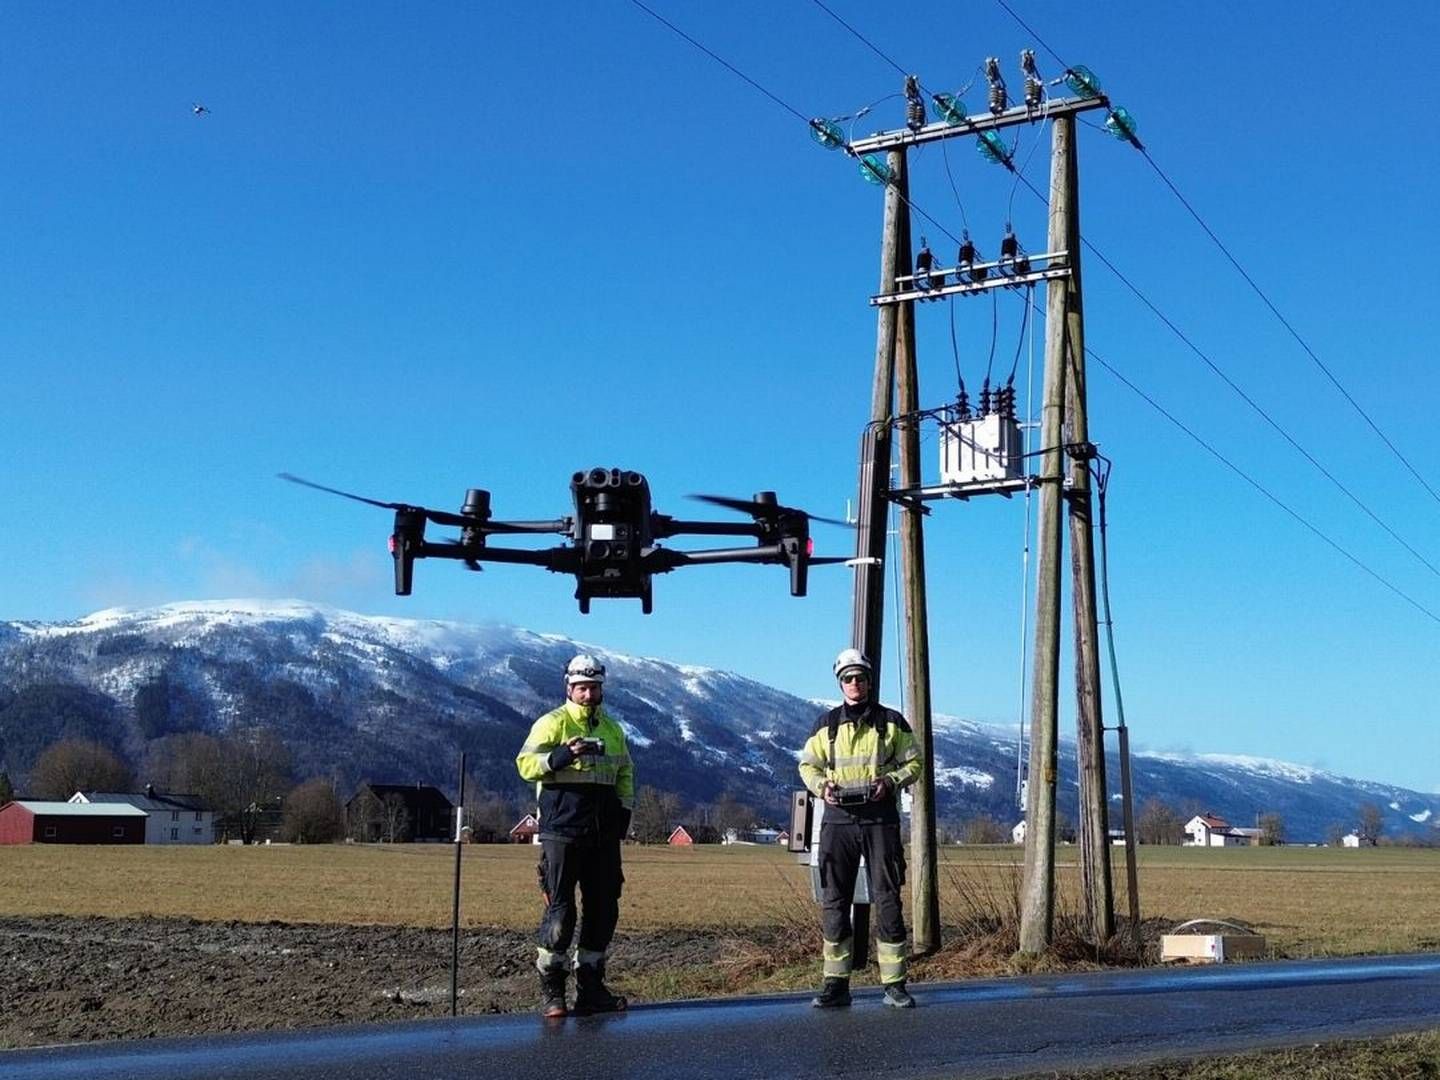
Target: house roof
<point x="52" y="808"/>
<point x="153" y="803"/>
<point x="526" y="822"/>
<point x="417" y="797"/>
<point x="1213" y="822"/>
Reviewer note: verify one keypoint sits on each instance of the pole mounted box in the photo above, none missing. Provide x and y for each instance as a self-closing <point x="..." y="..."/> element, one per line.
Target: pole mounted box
<point x="981" y="449"/>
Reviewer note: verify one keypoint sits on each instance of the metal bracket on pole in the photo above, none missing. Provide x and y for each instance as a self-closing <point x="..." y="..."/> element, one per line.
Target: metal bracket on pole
<point x="973" y="125"/>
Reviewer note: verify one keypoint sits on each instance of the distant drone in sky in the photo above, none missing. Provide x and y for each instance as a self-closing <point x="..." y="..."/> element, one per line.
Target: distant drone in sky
<point x="613" y="533"/>
<point x="198" y="109"/>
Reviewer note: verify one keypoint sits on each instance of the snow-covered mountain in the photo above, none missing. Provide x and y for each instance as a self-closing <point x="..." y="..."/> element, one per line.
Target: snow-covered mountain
<point x="364" y="697"/>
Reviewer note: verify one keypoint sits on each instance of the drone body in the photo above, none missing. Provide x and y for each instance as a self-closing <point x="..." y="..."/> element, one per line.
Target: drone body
<point x="613" y="535"/>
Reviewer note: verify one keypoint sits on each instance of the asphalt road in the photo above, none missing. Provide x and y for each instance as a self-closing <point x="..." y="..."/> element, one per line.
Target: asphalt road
<point x="985" y="1028"/>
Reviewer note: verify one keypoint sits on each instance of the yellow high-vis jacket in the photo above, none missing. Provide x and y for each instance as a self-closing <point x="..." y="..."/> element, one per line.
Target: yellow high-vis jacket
<point x="589" y="794"/>
<point x="852" y="748"/>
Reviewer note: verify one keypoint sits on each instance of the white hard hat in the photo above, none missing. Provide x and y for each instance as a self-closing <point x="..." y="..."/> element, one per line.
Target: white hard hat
<point x="851" y="658"/>
<point x="584" y="668"/>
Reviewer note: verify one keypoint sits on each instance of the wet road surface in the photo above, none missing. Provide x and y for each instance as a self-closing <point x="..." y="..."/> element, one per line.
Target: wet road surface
<point x="983" y="1028"/>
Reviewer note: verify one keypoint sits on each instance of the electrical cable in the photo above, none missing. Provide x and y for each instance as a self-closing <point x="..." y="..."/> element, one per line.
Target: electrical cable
<point x="1259" y="410"/>
<point x="1265" y="299"/>
<point x="783" y="104"/>
<point x="955" y="349"/>
<point x="868" y="43"/>
<point x="1291" y="329"/>
<point x="1024" y="325"/>
<point x="722" y="62"/>
<point x="1265" y="491"/>
<point x="1216" y="453"/>
<point x="945" y="153"/>
<point x="994" y="331"/>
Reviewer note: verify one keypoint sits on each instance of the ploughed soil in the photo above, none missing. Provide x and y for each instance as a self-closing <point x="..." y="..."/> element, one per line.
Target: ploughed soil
<point x="65" y="979"/>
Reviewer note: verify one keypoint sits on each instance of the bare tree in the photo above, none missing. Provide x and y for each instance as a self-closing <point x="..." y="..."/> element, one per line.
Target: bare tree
<point x="7" y="789"/>
<point x="1158" y="824"/>
<point x="394" y="819"/>
<point x="983" y="829"/>
<point x="1272" y="830"/>
<point x="238" y="775"/>
<point x="656" y="814"/>
<point x="1372" y="823"/>
<point x="313" y="814"/>
<point x="1335" y="835"/>
<point x="729" y="813"/>
<point x="365" y="817"/>
<point x="72" y="765"/>
<point x="490" y="817"/>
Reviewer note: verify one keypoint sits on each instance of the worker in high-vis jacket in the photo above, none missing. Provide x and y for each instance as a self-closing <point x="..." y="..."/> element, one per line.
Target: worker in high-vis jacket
<point x="577" y="759"/>
<point x="859" y="757"/>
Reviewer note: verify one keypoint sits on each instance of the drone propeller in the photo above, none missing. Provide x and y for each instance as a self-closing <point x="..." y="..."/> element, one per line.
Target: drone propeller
<point x="439" y="517"/>
<point x="758" y="509"/>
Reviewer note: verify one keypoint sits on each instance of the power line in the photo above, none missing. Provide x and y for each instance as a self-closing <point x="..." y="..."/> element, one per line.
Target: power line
<point x="1226" y="461"/>
<point x="868" y="43"/>
<point x="1264" y="490"/>
<point x="721" y="61"/>
<point x="783" y="104"/>
<point x="1254" y="285"/>
<point x="1290" y="328"/>
<point x="1259" y="410"/>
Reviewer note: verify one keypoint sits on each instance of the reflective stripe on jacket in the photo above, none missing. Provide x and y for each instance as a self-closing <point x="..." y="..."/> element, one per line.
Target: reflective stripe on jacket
<point x="592" y="794"/>
<point x="878" y="743"/>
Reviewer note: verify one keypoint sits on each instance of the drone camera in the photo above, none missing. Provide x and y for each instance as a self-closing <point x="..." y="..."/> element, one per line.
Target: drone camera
<point x="612" y="522"/>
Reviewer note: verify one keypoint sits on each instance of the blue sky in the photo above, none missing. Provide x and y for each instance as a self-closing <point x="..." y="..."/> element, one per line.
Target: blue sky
<point x="414" y="249"/>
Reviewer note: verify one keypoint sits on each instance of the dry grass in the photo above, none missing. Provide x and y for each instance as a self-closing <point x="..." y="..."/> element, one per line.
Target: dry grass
<point x="1403" y="1057"/>
<point x="1306" y="901"/>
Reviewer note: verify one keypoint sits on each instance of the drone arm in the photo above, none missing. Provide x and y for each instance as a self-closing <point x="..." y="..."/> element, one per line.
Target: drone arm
<point x="558" y="559"/>
<point x="663" y="525"/>
<point x="790" y="551"/>
<point x="559" y="525"/>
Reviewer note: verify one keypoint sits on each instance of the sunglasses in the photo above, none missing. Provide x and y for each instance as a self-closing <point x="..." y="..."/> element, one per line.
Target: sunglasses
<point x="855" y="676"/>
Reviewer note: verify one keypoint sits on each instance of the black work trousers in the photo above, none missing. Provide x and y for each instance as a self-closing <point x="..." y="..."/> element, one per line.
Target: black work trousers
<point x="841" y="845"/>
<point x="593" y="863"/>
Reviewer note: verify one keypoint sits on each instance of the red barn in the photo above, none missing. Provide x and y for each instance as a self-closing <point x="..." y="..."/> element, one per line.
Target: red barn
<point x="680" y="837"/>
<point x="31" y="821"/>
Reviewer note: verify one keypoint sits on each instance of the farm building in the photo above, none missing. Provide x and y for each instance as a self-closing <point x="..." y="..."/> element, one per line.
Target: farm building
<point x="1207" y="830"/>
<point x="526" y="831"/>
<point x="171" y="819"/>
<point x="680" y="837"/>
<point x="400" y="812"/>
<point x="32" y="821"/>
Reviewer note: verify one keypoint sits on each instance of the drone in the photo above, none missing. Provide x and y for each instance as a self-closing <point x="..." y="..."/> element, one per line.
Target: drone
<point x="613" y="548"/>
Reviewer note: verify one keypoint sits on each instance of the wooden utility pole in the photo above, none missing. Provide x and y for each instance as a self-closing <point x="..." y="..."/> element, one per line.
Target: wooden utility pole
<point x="924" y="885"/>
<point x="867" y="627"/>
<point x="1094" y="826"/>
<point x="1037" y="897"/>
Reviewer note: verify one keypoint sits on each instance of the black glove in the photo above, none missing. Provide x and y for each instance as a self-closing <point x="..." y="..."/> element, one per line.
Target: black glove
<point x="560" y="757"/>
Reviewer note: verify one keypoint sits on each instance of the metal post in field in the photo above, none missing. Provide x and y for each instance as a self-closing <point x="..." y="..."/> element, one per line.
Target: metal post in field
<point x="455" y="911"/>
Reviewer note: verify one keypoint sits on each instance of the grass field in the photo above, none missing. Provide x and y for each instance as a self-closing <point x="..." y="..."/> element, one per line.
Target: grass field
<point x="1307" y="901"/>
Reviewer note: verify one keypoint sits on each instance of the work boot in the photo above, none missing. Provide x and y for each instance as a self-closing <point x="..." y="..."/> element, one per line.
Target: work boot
<point x="552" y="994"/>
<point x="835" y="994"/>
<point x="591" y="993"/>
<point x="897" y="997"/>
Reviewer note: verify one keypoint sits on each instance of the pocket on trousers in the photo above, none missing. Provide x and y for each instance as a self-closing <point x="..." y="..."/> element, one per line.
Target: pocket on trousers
<point x="897" y="865"/>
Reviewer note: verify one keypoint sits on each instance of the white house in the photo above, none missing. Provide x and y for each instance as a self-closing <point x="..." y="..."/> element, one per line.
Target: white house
<point x="1207" y="830"/>
<point x="169" y="819"/>
<point x="1350" y="840"/>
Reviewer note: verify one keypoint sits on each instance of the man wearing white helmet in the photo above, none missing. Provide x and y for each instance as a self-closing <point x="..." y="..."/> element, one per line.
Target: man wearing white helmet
<point x="858" y="758"/>
<point x="577" y="759"/>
